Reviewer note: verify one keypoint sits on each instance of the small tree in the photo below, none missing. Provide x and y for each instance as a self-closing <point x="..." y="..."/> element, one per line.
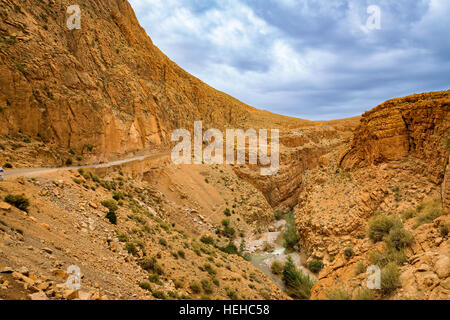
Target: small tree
<point x="298" y="285"/>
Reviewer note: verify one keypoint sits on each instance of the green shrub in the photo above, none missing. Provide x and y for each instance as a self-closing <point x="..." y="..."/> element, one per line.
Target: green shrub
<point x="146" y="286"/>
<point x="122" y="237"/>
<point x="181" y="253"/>
<point x="19" y="201"/>
<point x="131" y="248"/>
<point x="349" y="253"/>
<point x="380" y="226"/>
<point x="290" y="235"/>
<point x="196" y="287"/>
<point x="338" y="294"/>
<point x="207" y="286"/>
<point x="408" y="214"/>
<point x="389" y="255"/>
<point x="364" y="294"/>
<point x="111" y="216"/>
<point x="208" y="268"/>
<point x="163" y="242"/>
<point x="428" y="212"/>
<point x="444" y="231"/>
<point x="227" y="212"/>
<point x="315" y="266"/>
<point x="226" y="222"/>
<point x="151" y="265"/>
<point x="178" y="284"/>
<point x="360" y="268"/>
<point x="119" y="195"/>
<point x="399" y="239"/>
<point x="8" y="165"/>
<point x="230" y="249"/>
<point x="298" y="285"/>
<point x="110" y="204"/>
<point x="69" y="162"/>
<point x="154" y="278"/>
<point x="277" y="267"/>
<point x="231" y="293"/>
<point x="390" y="279"/>
<point x="20" y="67"/>
<point x="229" y="232"/>
<point x="279" y="215"/>
<point x="159" y="295"/>
<point x="207" y="240"/>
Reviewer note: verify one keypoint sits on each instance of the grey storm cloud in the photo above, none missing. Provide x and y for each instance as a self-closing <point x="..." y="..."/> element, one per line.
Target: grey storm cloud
<point x="306" y="58"/>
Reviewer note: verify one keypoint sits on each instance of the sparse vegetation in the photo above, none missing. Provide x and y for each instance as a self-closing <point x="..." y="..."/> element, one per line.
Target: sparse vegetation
<point x="399" y="239"/>
<point x="122" y="237"/>
<point x="349" y="253"/>
<point x="364" y="294"/>
<point x="381" y="225"/>
<point x="427" y="212"/>
<point x="360" y="268"/>
<point x="409" y="214"/>
<point x="112" y="206"/>
<point x="290" y="235"/>
<point x="277" y="268"/>
<point x="146" y="286"/>
<point x="19" y="201"/>
<point x="315" y="266"/>
<point x="387" y="256"/>
<point x="390" y="279"/>
<point x="230" y="249"/>
<point x="181" y="254"/>
<point x="159" y="295"/>
<point x="162" y="242"/>
<point x="279" y="215"/>
<point x="444" y="231"/>
<point x="268" y="247"/>
<point x="154" y="278"/>
<point x="207" y="240"/>
<point x="151" y="265"/>
<point x="207" y="286"/>
<point x="338" y="294"/>
<point x="196" y="287"/>
<point x="131" y="248"/>
<point x="231" y="293"/>
<point x="298" y="285"/>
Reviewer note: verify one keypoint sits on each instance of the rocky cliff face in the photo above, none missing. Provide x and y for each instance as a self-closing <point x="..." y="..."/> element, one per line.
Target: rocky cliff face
<point x="414" y="125"/>
<point x="396" y="162"/>
<point x="105" y="86"/>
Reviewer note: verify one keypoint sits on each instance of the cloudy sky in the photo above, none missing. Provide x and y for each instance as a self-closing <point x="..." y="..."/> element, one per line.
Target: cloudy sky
<point x="313" y="59"/>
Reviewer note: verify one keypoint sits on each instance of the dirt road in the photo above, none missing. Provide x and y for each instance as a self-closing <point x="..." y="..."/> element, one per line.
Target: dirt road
<point x="36" y="171"/>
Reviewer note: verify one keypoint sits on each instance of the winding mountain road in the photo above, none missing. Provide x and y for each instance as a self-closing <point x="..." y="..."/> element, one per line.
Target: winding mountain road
<point x="35" y="171"/>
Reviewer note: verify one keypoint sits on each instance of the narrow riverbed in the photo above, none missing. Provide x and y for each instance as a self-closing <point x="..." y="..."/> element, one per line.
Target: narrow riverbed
<point x="263" y="260"/>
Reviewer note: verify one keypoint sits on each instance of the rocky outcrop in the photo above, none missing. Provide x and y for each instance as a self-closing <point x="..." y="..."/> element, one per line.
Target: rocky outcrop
<point x="300" y="151"/>
<point x="445" y="188"/>
<point x="104" y="87"/>
<point x="414" y="125"/>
